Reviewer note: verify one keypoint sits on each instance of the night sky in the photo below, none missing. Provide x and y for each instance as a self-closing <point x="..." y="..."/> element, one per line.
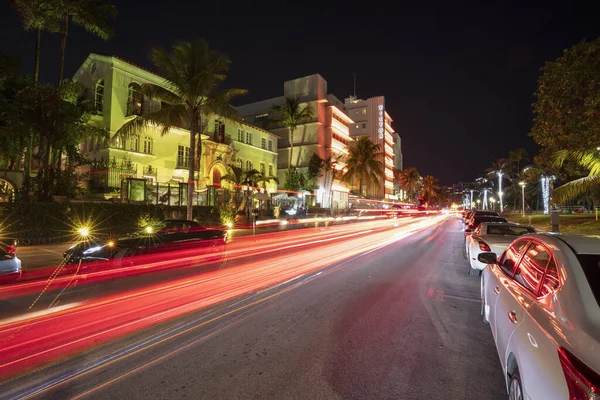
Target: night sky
<point x="458" y="77"/>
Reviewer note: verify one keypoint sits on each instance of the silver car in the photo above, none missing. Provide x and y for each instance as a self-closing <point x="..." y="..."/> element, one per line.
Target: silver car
<point x="542" y="301"/>
<point x="10" y="265"/>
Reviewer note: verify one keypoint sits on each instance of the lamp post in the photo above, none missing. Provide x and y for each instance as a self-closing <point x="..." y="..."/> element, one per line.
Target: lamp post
<point x="522" y="184"/>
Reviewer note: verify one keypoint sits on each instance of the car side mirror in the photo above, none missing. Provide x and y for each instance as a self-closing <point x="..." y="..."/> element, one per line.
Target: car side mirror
<point x="487" y="258"/>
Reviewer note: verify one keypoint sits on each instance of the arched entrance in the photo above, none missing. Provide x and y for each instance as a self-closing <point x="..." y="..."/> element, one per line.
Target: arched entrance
<point x="7" y="191"/>
<point x="217" y="187"/>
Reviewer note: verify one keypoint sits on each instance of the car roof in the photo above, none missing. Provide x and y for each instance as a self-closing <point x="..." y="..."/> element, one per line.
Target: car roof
<point x="485" y="224"/>
<point x="581" y="244"/>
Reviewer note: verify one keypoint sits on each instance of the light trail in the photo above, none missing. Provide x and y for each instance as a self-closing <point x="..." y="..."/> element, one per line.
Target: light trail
<point x="260" y="262"/>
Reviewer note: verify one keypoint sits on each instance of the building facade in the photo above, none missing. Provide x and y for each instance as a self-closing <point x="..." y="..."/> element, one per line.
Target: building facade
<point x="163" y="160"/>
<point x="326" y="135"/>
<point x="371" y="119"/>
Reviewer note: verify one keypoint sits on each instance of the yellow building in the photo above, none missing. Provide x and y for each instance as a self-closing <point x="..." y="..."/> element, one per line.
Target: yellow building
<point x="161" y="163"/>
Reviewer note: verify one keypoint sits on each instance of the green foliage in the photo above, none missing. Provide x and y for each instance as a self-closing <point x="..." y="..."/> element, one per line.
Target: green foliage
<point x="362" y="163"/>
<point x="431" y="188"/>
<point x="295" y="180"/>
<point x="316" y="166"/>
<point x="410" y="180"/>
<point x="227" y="213"/>
<point x="291" y="114"/>
<point x="568" y="100"/>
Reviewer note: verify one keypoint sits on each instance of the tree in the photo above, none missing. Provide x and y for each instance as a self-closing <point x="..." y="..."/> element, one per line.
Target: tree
<point x="409" y="181"/>
<point x="251" y="178"/>
<point x="295" y="180"/>
<point x="39" y="16"/>
<point x="567" y="110"/>
<point x="92" y="15"/>
<point x="362" y="163"/>
<point x="316" y="167"/>
<point x="291" y="114"/>
<point x="192" y="73"/>
<point x="589" y="160"/>
<point x="431" y="188"/>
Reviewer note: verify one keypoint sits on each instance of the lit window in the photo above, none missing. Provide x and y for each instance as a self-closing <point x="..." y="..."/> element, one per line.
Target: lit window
<point x="270" y="145"/>
<point x="134" y="143"/>
<point x="262" y="168"/>
<point x="263" y="143"/>
<point x="183" y="156"/>
<point x="240" y="135"/>
<point x="364" y="111"/>
<point x="147" y="145"/>
<point x="249" y="137"/>
<point x="135" y="99"/>
<point x="99" y="97"/>
<point x="270" y="169"/>
<point x="240" y="163"/>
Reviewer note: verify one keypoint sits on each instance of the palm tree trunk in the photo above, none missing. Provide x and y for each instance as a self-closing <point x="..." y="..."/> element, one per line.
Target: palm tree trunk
<point x="190" y="194"/>
<point x="36" y="62"/>
<point x="63" y="46"/>
<point x="291" y="147"/>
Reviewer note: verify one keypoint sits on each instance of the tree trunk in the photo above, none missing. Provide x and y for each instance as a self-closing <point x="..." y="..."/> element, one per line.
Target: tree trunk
<point x="291" y="147"/>
<point x="63" y="46"/>
<point x="192" y="155"/>
<point x="36" y="66"/>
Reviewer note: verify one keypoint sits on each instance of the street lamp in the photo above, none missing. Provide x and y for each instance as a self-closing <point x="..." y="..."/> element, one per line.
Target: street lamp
<point x="478" y="201"/>
<point x="522" y="184"/>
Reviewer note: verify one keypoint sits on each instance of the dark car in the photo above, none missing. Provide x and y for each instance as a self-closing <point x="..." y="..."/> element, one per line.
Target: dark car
<point x="169" y="236"/>
<point x="476" y="220"/>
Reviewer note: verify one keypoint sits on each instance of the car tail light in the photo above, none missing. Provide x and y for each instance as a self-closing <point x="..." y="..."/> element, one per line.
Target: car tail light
<point x="582" y="381"/>
<point x="484" y="247"/>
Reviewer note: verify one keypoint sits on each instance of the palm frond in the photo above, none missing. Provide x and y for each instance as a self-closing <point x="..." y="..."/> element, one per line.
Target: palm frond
<point x="155" y="92"/>
<point x="572" y="190"/>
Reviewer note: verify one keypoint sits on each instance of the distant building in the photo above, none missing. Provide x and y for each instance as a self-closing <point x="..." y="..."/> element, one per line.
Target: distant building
<point x="163" y="160"/>
<point x="371" y="119"/>
<point x="327" y="135"/>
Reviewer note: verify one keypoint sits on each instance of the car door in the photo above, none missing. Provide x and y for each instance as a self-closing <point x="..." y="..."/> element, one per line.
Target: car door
<point x="499" y="273"/>
<point x="517" y="294"/>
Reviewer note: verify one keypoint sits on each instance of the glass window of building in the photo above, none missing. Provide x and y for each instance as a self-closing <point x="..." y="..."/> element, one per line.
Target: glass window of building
<point x="134" y="143"/>
<point x="183" y="156"/>
<point x="263" y="143"/>
<point x="248" y="165"/>
<point x="240" y="135"/>
<point x="135" y="99"/>
<point x="249" y="137"/>
<point x="147" y="145"/>
<point x="99" y="97"/>
<point x="240" y="163"/>
<point x="364" y="111"/>
<point x="262" y="168"/>
<point x="270" y="145"/>
<point x="270" y="169"/>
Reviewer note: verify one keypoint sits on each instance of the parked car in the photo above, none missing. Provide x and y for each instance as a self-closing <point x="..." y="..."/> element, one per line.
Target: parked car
<point x="491" y="237"/>
<point x="10" y="265"/>
<point x="166" y="236"/>
<point x="481" y="213"/>
<point x="542" y="301"/>
<point x="478" y="220"/>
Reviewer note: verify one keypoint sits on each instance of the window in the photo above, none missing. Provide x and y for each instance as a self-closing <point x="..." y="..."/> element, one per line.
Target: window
<point x="135" y="99"/>
<point x="364" y="126"/>
<point x="263" y="143"/>
<point x="99" y="97"/>
<point x="249" y="137"/>
<point x="219" y="132"/>
<point x="551" y="279"/>
<point x="248" y="165"/>
<point x="147" y="145"/>
<point x="509" y="230"/>
<point x="364" y="111"/>
<point x="262" y="168"/>
<point x="183" y="156"/>
<point x="134" y="143"/>
<point x="270" y="145"/>
<point x="240" y="163"/>
<point x="511" y="256"/>
<point x="240" y="135"/>
<point x="532" y="266"/>
<point x="270" y="169"/>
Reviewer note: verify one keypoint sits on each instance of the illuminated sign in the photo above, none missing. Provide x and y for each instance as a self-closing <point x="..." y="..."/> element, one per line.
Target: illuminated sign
<point x="380" y="121"/>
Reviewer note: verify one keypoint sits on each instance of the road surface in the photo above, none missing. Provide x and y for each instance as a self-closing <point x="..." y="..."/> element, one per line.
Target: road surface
<point x="396" y="322"/>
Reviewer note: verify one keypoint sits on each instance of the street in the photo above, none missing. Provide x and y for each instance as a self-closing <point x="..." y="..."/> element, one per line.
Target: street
<point x="400" y="321"/>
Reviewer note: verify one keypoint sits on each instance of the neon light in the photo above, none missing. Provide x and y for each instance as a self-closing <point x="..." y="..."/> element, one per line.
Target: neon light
<point x="380" y="122"/>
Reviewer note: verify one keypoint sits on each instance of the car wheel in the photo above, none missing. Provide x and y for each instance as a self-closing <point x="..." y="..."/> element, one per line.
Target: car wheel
<point x="515" y="390"/>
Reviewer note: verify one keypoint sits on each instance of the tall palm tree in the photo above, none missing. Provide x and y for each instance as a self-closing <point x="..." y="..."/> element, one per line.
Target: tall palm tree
<point x="409" y="181"/>
<point x="291" y="114"/>
<point x="251" y="178"/>
<point x="362" y="163"/>
<point x="38" y="16"/>
<point x="590" y="160"/>
<point x="192" y="73"/>
<point x="431" y="188"/>
<point x="92" y="15"/>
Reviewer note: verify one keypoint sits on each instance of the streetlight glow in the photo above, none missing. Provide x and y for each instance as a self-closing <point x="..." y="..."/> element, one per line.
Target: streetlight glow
<point x="83" y="232"/>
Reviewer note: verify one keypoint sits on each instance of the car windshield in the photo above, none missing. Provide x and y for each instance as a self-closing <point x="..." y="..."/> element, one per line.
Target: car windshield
<point x="591" y="268"/>
<point x="479" y="219"/>
<point x="509" y="230"/>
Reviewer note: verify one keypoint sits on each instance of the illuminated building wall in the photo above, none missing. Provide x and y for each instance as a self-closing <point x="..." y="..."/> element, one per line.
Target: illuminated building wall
<point x="372" y="120"/>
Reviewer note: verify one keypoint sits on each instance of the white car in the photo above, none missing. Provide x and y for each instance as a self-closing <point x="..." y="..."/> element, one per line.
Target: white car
<point x="542" y="301"/>
<point x="10" y="265"/>
<point x="491" y="237"/>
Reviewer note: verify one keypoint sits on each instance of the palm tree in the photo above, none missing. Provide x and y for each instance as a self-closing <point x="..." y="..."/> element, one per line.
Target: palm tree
<point x="292" y="114"/>
<point x="431" y="188"/>
<point x="192" y="73"/>
<point x="251" y="178"/>
<point x="38" y="16"/>
<point x="92" y="15"/>
<point x="362" y="163"/>
<point x="590" y="160"/>
<point x="409" y="180"/>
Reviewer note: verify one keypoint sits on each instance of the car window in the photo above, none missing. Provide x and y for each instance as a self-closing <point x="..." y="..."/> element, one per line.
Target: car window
<point x="590" y="263"/>
<point x="531" y="269"/>
<point x="551" y="280"/>
<point x="509" y="230"/>
<point x="511" y="256"/>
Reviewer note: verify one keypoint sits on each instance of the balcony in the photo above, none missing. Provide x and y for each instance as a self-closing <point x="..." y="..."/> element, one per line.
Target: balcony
<point x="219" y="138"/>
<point x="388" y="150"/>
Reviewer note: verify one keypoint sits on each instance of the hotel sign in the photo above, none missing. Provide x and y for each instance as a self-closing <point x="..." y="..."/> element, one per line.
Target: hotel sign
<point x="380" y="121"/>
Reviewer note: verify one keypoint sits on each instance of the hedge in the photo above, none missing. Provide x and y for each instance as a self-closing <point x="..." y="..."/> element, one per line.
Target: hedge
<point x="34" y="223"/>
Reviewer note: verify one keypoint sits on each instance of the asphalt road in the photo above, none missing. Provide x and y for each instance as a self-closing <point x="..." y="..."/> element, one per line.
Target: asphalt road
<point x="400" y="322"/>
